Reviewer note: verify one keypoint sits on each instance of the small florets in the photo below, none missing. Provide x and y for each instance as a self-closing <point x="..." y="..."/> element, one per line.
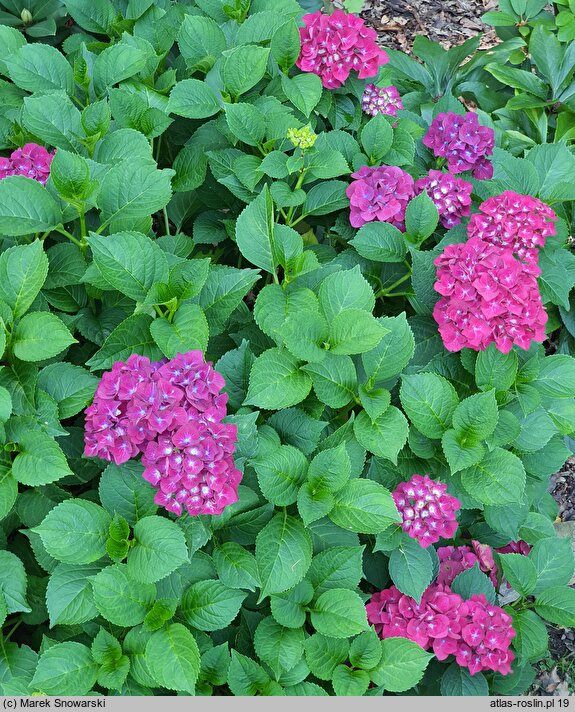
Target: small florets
<point x="379" y="193"/>
<point x="450" y="195"/>
<point x="31" y="161"/>
<point x="381" y="100"/>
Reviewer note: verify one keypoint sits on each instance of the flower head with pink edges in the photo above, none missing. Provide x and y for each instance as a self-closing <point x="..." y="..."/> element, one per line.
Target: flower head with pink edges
<point x="450" y="195"/>
<point x="516" y="222"/>
<point x="453" y="560"/>
<point x="172" y="413"/>
<point x="463" y="142"/>
<point x="488" y="296"/>
<point x="477" y="633"/>
<point x="379" y="193"/>
<point x="334" y="45"/>
<point x="515" y="547"/>
<point x="427" y="510"/>
<point x="30" y="161"/>
<point x="381" y="100"/>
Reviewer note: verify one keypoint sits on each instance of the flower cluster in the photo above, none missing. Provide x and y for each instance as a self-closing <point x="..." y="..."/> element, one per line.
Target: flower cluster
<point x="427" y="510"/>
<point x="475" y="632"/>
<point x="453" y="560"/>
<point x="381" y="100"/>
<point x="519" y="223"/>
<point x="450" y="195"/>
<point x="515" y="547"/>
<point x="302" y="138"/>
<point x="379" y="193"/>
<point x="171" y="412"/>
<point x="334" y="45"/>
<point x="463" y="142"/>
<point x="488" y="297"/>
<point x="30" y="161"/>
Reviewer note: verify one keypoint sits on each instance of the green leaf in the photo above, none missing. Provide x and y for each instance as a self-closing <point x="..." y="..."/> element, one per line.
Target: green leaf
<point x="255" y="232"/>
<point x="209" y="605"/>
<point x="421" y="217"/>
<point x="364" y="506"/>
<point x="385" y="436"/>
<point x="8" y="492"/>
<point x="26" y="207"/>
<point x="458" y="456"/>
<point x="314" y="502"/>
<point x="289" y="608"/>
<point x="348" y="682"/>
<point x="276" y="381"/>
<point x="458" y="682"/>
<point x="376" y="138"/>
<point x="246" y="122"/>
<point x="354" y="331"/>
<point x="365" y="651"/>
<point x="402" y="666"/>
<point x="411" y="568"/>
<point x="339" y="613"/>
<point x="334" y="379"/>
<point x="393" y="352"/>
<point x="55" y="119"/>
<point x="201" y="41"/>
<point x="330" y="468"/>
<point x="475" y="418"/>
<point x="553" y="561"/>
<point x="280" y="648"/>
<point x="173" y="658"/>
<point x="69" y="596"/>
<point x="336" y="567"/>
<point x="40" y="461"/>
<point x="281" y="474"/>
<point x="498" y="479"/>
<point x="556" y="377"/>
<point x="519" y="79"/>
<point x="530" y="641"/>
<point x="121" y="599"/>
<point x="520" y="572"/>
<point x="346" y="289"/>
<point x="286" y="45"/>
<point x="236" y="566"/>
<point x="557" y="605"/>
<point x="473" y="581"/>
<point x="429" y="401"/>
<point x="118" y="62"/>
<point x="72" y="387"/>
<point x="245" y="676"/>
<point x="97" y="16"/>
<point x="75" y="531"/>
<point x="39" y="336"/>
<point x="188" y="331"/>
<point x="131" y="336"/>
<point x="13" y="582"/>
<point x="40" y="67"/>
<point x="283" y="554"/>
<point x="323" y="654"/>
<point x="243" y="68"/>
<point x="159" y="549"/>
<point x="326" y="197"/>
<point x="304" y="91"/>
<point x="65" y="669"/>
<point x="131" y="262"/>
<point x="223" y="291"/>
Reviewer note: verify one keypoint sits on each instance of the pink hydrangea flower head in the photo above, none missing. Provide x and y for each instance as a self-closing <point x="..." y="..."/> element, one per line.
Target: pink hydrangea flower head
<point x="450" y="195"/>
<point x="426" y="509"/>
<point x="475" y="632"/>
<point x="381" y="100"/>
<point x="519" y="223"/>
<point x="379" y="193"/>
<point x="488" y="296"/>
<point x="31" y="161"/>
<point x="515" y="547"/>
<point x="172" y="412"/>
<point x="463" y="142"/>
<point x="453" y="560"/>
<point x="334" y="45"/>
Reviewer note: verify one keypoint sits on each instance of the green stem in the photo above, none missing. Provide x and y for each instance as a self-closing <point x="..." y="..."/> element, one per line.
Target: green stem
<point x="166" y="220"/>
<point x="401" y="280"/>
<point x="70" y="237"/>
<point x="159" y="312"/>
<point x="291" y="211"/>
<point x="14" y="627"/>
<point x="400" y="294"/>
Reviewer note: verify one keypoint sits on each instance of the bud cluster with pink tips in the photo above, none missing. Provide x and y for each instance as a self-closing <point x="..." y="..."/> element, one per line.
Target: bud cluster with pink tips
<point x="453" y="560"/>
<point x="334" y="45"/>
<point x="477" y="633"/>
<point x="427" y="510"/>
<point x="30" y="161"/>
<point x="450" y="195"/>
<point x="171" y="412"/>
<point x="379" y="193"/>
<point x="519" y="223"/>
<point x="463" y="142"/>
<point x="381" y="100"/>
<point x="488" y="296"/>
<point x="515" y="547"/>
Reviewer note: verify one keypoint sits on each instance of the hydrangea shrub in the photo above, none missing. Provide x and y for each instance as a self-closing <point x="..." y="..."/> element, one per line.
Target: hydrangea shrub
<point x="280" y="391"/>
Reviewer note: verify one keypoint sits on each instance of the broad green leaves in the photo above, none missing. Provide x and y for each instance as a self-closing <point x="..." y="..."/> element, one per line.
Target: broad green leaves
<point x="159" y="548"/>
<point x="65" y="669"/>
<point x="276" y="381"/>
<point x="173" y="658"/>
<point x="339" y="613"/>
<point x="26" y="207"/>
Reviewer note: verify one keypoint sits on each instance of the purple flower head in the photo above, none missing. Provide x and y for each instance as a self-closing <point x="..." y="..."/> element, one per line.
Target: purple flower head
<point x="427" y="510"/>
<point x="381" y="100"/>
<point x="455" y="559"/>
<point x="463" y="142"/>
<point x="172" y="413"/>
<point x="519" y="223"/>
<point x="515" y="547"/>
<point x="334" y="45"/>
<point x="30" y="161"/>
<point x="379" y="193"/>
<point x="451" y="196"/>
<point x="487" y="297"/>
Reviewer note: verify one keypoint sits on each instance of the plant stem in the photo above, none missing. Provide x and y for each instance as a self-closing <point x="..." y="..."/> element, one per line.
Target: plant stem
<point x="401" y="280"/>
<point x="70" y="237"/>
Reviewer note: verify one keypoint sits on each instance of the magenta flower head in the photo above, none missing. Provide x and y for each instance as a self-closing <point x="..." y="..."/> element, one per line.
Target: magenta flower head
<point x="487" y="297"/>
<point x="30" y="161"/>
<point x="381" y="100"/>
<point x="172" y="412"/>
<point x="450" y="195"/>
<point x="519" y="223"/>
<point x="427" y="510"/>
<point x="515" y="547"/>
<point x="334" y="45"/>
<point x="379" y="193"/>
<point x="463" y="142"/>
<point x="453" y="560"/>
<point x="475" y="632"/>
